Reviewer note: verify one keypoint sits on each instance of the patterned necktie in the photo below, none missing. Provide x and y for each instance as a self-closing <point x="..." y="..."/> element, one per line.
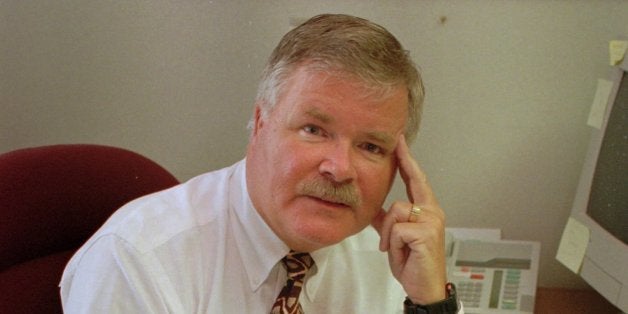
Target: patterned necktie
<point x="297" y="265"/>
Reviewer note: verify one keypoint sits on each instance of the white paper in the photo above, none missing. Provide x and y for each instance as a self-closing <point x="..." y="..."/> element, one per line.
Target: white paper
<point x="573" y="245"/>
<point x="598" y="108"/>
<point x="617" y="51"/>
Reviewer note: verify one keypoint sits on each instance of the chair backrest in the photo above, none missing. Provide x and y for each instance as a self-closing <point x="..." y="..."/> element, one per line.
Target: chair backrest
<point x="52" y="198"/>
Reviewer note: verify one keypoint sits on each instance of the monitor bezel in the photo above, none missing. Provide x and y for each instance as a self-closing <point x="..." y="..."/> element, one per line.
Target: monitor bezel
<point x="605" y="266"/>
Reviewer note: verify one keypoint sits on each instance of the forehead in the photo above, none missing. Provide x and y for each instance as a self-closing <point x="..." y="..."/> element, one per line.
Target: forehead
<point x="339" y="85"/>
<point x="331" y="96"/>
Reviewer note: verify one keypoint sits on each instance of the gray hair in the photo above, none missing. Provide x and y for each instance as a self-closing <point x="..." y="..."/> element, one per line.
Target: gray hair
<point x="349" y="45"/>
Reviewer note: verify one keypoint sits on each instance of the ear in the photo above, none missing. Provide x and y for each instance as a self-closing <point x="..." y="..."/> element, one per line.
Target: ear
<point x="258" y="120"/>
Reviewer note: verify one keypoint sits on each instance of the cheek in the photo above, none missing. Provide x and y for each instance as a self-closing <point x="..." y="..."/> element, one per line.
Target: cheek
<point x="375" y="185"/>
<point x="293" y="163"/>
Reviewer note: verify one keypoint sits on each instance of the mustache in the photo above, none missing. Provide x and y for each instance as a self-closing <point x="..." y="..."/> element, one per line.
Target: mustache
<point x="328" y="191"/>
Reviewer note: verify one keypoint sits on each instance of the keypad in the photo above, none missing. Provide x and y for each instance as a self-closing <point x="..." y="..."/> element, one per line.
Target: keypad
<point x="510" y="295"/>
<point x="504" y="291"/>
<point x="470" y="293"/>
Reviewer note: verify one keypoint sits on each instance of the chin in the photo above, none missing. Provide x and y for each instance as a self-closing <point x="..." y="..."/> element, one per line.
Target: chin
<point x="316" y="235"/>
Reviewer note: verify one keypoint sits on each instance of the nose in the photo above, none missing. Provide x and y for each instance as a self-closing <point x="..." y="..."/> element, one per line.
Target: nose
<point x="338" y="163"/>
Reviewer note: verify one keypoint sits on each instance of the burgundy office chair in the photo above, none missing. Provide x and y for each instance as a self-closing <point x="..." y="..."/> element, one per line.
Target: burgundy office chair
<point x="52" y="198"/>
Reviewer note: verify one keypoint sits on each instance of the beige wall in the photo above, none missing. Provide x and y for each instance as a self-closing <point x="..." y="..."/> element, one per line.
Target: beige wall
<point x="509" y="87"/>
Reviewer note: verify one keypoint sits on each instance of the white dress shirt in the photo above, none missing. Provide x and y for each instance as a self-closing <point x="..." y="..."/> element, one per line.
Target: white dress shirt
<point x="201" y="247"/>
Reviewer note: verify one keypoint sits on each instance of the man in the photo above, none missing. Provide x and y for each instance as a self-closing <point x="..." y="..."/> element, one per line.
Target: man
<point x="337" y="101"/>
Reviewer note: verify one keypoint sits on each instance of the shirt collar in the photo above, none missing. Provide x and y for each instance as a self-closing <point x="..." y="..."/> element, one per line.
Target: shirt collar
<point x="315" y="276"/>
<point x="258" y="245"/>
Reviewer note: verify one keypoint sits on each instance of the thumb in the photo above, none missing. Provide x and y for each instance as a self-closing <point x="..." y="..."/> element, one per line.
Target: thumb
<point x="378" y="221"/>
<point x="378" y="224"/>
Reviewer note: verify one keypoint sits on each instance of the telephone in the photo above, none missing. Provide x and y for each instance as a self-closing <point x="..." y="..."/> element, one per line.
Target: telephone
<point x="493" y="275"/>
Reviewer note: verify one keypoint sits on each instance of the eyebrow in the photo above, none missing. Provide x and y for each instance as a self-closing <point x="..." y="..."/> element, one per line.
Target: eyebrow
<point x="381" y="137"/>
<point x="318" y="115"/>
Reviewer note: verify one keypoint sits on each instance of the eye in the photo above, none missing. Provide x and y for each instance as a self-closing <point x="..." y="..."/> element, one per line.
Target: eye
<point x="312" y="130"/>
<point x="373" y="149"/>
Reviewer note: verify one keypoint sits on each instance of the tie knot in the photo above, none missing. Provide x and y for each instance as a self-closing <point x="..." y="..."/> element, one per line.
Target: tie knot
<point x="297" y="264"/>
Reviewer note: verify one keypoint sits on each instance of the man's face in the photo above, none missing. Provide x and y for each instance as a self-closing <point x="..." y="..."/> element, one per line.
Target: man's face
<point x="320" y="165"/>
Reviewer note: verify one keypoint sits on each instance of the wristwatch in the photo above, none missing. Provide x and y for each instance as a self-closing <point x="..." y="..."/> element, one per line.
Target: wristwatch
<point x="448" y="306"/>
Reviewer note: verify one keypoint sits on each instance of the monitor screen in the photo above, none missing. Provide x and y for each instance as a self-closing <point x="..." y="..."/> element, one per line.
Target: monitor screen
<point x="608" y="201"/>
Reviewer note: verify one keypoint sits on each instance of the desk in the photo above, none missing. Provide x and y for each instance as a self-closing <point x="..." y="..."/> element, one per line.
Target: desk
<point x="560" y="300"/>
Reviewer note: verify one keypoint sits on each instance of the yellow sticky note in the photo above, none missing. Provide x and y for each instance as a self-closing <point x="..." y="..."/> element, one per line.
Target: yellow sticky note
<point x="573" y="245"/>
<point x="598" y="107"/>
<point x="617" y="50"/>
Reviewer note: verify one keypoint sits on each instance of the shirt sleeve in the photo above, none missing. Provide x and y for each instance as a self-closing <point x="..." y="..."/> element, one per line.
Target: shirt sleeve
<point x="110" y="276"/>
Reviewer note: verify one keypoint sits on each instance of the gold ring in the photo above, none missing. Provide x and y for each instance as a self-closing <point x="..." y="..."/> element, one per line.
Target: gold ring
<point x="414" y="213"/>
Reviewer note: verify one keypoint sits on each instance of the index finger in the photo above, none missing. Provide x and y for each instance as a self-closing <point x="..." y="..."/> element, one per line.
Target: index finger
<point x="418" y="189"/>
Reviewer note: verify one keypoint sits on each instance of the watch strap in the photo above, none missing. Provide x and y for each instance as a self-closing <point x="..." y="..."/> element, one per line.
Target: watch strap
<point x="447" y="306"/>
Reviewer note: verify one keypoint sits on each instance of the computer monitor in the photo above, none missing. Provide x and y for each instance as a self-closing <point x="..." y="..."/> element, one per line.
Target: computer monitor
<point x="601" y="202"/>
